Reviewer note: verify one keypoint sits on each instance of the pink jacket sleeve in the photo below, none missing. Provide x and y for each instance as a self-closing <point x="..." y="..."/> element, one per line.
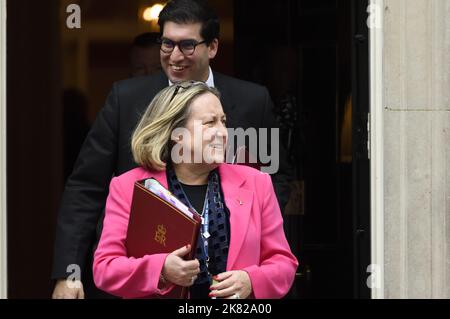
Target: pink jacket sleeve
<point x="113" y="271"/>
<point x="274" y="276"/>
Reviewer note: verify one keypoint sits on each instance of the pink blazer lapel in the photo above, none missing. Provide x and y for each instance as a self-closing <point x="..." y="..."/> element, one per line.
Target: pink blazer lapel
<point x="239" y="202"/>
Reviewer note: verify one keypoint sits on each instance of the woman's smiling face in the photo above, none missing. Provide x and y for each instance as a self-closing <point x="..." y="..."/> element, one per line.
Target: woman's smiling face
<point x="207" y="134"/>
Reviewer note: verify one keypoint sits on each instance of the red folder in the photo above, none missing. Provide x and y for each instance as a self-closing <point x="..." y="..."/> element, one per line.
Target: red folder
<point x="157" y="226"/>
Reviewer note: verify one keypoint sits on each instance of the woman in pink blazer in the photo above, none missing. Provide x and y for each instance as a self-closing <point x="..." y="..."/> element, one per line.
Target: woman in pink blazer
<point x="242" y="250"/>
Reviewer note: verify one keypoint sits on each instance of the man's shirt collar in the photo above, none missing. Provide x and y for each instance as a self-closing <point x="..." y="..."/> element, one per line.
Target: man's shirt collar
<point x="209" y="81"/>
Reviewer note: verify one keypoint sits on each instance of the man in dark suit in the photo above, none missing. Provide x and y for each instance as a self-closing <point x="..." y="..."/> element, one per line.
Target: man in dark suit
<point x="144" y="54"/>
<point x="189" y="40"/>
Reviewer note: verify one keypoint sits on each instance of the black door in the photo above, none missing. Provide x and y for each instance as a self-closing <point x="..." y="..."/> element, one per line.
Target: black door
<point x="312" y="56"/>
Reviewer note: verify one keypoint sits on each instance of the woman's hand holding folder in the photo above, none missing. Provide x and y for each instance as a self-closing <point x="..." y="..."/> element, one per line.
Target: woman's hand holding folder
<point x="179" y="271"/>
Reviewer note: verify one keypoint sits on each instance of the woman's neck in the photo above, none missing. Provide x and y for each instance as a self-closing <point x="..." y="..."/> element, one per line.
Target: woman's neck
<point x="192" y="174"/>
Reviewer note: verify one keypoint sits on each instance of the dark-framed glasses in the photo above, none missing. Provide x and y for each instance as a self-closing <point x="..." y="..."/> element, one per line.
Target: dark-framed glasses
<point x="187" y="47"/>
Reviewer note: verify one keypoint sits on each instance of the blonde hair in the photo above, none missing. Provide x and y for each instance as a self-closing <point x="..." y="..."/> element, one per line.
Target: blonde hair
<point x="151" y="141"/>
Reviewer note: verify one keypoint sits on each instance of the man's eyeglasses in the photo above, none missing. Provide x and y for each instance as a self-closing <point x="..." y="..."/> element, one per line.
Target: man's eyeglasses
<point x="187" y="47"/>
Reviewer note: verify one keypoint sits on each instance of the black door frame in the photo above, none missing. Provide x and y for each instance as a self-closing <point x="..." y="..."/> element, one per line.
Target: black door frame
<point x="361" y="158"/>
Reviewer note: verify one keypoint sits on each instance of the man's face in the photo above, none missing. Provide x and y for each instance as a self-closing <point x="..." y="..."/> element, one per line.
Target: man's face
<point x="144" y="61"/>
<point x="179" y="67"/>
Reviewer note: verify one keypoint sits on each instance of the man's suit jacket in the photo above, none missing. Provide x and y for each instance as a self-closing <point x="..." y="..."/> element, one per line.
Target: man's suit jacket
<point x="258" y="244"/>
<point x="106" y="153"/>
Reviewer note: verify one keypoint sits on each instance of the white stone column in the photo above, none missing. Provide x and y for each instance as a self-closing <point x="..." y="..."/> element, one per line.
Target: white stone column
<point x="417" y="148"/>
<point x="3" y="221"/>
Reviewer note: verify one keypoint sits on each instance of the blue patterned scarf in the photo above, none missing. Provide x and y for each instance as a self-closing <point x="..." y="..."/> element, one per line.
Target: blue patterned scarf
<point x="219" y="226"/>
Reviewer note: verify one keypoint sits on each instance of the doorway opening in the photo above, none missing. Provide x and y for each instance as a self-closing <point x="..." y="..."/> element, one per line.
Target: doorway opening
<point x="310" y="55"/>
<point x="313" y="57"/>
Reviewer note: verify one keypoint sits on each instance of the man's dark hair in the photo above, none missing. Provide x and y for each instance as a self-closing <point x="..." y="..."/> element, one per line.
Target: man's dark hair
<point x="146" y="40"/>
<point x="192" y="11"/>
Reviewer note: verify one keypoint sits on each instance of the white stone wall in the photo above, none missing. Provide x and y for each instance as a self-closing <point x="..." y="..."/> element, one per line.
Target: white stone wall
<point x="417" y="148"/>
<point x="3" y="221"/>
